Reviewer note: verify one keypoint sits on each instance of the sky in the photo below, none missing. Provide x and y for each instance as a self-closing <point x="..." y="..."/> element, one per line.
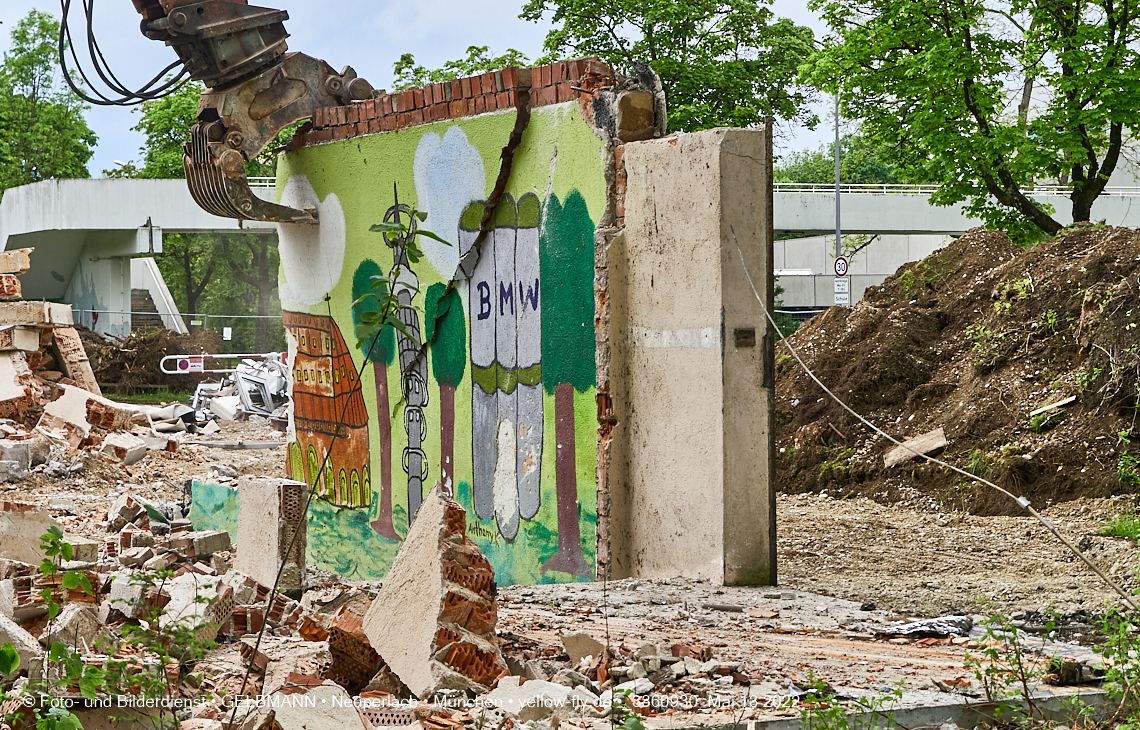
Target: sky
<point x="369" y="35"/>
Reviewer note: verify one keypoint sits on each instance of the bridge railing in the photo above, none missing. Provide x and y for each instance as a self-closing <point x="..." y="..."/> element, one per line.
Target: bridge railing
<point x="899" y="189"/>
<point x="263" y="182"/>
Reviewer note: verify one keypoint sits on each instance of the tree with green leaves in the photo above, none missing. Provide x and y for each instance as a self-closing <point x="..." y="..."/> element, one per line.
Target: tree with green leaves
<point x="166" y="123"/>
<point x="860" y="163"/>
<point x="566" y="252"/>
<point x="43" y="134"/>
<point x="479" y="60"/>
<point x="381" y="352"/>
<point x="446" y="329"/>
<point x="721" y="62"/>
<point x="256" y="266"/>
<point x="989" y="97"/>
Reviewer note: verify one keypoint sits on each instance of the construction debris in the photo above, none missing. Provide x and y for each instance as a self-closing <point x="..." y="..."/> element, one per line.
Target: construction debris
<point x="259" y="387"/>
<point x="433" y="620"/>
<point x="271" y="532"/>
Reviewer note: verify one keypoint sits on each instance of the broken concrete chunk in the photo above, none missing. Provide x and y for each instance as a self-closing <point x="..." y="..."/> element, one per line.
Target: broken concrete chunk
<point x="328" y="707"/>
<point x="77" y="411"/>
<point x="25" y="645"/>
<point x="225" y="407"/>
<point x="535" y="700"/>
<point x="434" y="617"/>
<point x="76" y="627"/>
<point x="927" y="443"/>
<point x="136" y="556"/>
<point x="206" y="543"/>
<point x="272" y="531"/>
<point x="74" y="357"/>
<point x="125" y="596"/>
<point x="581" y="645"/>
<point x="35" y="314"/>
<point x="640" y="686"/>
<point x="10" y="289"/>
<point x="123" y="448"/>
<point x="17" y="261"/>
<point x="21" y="526"/>
<point x="83" y="550"/>
<point x="26" y="339"/>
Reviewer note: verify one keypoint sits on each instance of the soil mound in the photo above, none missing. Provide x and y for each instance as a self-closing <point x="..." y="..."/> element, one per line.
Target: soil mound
<point x="974" y="339"/>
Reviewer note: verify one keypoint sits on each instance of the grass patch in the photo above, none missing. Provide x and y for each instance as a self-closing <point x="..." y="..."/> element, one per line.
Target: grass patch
<point x="151" y="397"/>
<point x="1126" y="524"/>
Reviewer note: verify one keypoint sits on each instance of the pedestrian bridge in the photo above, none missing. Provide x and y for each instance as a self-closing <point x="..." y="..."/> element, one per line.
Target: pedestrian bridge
<point x="906" y="209"/>
<point x="87" y="232"/>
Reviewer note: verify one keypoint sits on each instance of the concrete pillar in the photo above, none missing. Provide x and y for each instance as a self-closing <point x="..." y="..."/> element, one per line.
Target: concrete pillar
<point x="691" y="370"/>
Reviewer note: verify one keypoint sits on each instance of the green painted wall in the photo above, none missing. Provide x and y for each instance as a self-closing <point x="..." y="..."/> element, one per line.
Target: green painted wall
<point x="509" y="401"/>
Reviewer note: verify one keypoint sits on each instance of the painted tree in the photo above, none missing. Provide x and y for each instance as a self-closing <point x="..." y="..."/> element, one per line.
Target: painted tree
<point x="445" y="328"/>
<point x="566" y="251"/>
<point x="381" y="352"/>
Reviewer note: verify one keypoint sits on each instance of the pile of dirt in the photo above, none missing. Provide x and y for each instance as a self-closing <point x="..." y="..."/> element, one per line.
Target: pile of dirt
<point x="974" y="339"/>
<point x="134" y="362"/>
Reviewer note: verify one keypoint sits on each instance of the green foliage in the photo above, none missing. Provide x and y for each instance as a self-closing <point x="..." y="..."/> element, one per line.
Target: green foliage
<point x="721" y="62"/>
<point x="784" y="322"/>
<point x="860" y="163"/>
<point x="1086" y="379"/>
<point x="835" y="462"/>
<point x="166" y="124"/>
<point x="43" y="134"/>
<point x="1127" y="465"/>
<point x="378" y="309"/>
<point x="1122" y="667"/>
<point x="1006" y="668"/>
<point x="1044" y="421"/>
<point x="478" y="61"/>
<point x="1125" y="524"/>
<point x="163" y="652"/>
<point x="932" y="83"/>
<point x="980" y="464"/>
<point x="822" y="711"/>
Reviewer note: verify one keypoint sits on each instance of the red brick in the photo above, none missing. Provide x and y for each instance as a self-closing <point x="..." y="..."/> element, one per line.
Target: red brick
<point x="503" y="100"/>
<point x="415" y="117"/>
<point x="544" y="76"/>
<point x="321" y="136"/>
<point x="456" y="91"/>
<point x="565" y="93"/>
<point x="418" y="99"/>
<point x="388" y="123"/>
<point x="401" y="120"/>
<point x="439" y="112"/>
<point x="362" y="127"/>
<point x="457" y="109"/>
<point x="353" y="114"/>
<point x="488" y="83"/>
<point x="429" y="95"/>
<point x="480" y="106"/>
<point x="374" y="126"/>
<point x="619" y="157"/>
<point x="9" y="287"/>
<point x="370" y="109"/>
<point x="492" y="102"/>
<point x="510" y="78"/>
<point x="319" y="117"/>
<point x="465" y="87"/>
<point x="543" y="96"/>
<point x="561" y="71"/>
<point x="575" y="69"/>
<point x="512" y="99"/>
<point x="342" y="132"/>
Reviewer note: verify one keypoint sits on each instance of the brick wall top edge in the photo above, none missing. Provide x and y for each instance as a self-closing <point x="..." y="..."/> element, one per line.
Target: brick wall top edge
<point x="472" y="96"/>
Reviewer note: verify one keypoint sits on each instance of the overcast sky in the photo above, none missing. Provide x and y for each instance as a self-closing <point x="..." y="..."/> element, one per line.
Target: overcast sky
<point x="369" y="35"/>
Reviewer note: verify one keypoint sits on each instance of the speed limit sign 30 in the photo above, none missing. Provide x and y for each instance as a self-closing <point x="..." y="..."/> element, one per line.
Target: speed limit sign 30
<point x="841" y="266"/>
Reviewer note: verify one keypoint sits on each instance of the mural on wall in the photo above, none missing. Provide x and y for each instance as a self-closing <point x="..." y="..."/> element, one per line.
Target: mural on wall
<point x="506" y="363"/>
<point x="503" y="404"/>
<point x="328" y="413"/>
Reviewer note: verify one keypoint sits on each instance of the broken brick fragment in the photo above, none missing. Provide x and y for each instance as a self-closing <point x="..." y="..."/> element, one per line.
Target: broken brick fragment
<point x="434" y="618"/>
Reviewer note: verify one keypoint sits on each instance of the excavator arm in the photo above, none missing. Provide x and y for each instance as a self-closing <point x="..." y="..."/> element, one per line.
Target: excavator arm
<point x="255" y="89"/>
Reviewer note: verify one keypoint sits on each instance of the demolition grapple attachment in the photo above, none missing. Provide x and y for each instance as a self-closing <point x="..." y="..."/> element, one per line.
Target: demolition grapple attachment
<point x="255" y="89"/>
